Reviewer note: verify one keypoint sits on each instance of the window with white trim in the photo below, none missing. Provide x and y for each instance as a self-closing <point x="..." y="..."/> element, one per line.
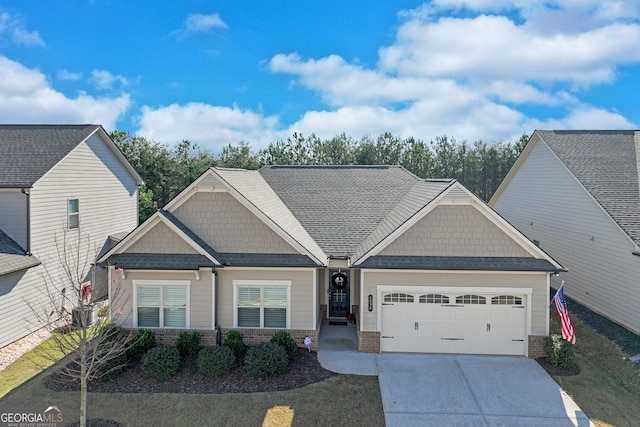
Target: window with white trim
<point x="434" y="299"/>
<point x="262" y="304"/>
<point x="506" y="300"/>
<point x="73" y="214"/>
<point x="162" y="305"/>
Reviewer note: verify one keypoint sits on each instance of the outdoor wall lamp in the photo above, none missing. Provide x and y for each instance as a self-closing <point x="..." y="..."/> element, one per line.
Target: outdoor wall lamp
<point x="370" y="307"/>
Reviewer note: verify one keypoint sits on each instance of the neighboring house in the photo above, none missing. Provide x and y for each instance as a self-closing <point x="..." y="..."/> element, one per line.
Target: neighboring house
<point x="576" y="194"/>
<point x="424" y="265"/>
<point x="55" y="179"/>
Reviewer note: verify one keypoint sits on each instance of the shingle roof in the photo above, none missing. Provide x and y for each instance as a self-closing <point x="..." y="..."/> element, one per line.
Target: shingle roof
<point x="606" y="163"/>
<point x="13" y="257"/>
<point x="27" y="152"/>
<point x="340" y="206"/>
<point x="193" y="236"/>
<point x="460" y="263"/>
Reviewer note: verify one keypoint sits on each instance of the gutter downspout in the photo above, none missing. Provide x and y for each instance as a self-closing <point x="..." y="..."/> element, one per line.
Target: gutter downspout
<point x="27" y="193"/>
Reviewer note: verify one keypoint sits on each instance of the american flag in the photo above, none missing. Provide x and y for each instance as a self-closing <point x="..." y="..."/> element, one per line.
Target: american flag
<point x="561" y="308"/>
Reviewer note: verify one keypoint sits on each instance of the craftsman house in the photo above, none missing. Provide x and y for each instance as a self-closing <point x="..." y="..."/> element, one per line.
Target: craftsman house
<point x="424" y="265"/>
<point x="55" y="181"/>
<point x="576" y="194"/>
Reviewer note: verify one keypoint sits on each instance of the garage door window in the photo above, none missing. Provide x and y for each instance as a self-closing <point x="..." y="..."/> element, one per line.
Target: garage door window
<point x="398" y="298"/>
<point x="506" y="300"/>
<point x="434" y="299"/>
<point x="471" y="299"/>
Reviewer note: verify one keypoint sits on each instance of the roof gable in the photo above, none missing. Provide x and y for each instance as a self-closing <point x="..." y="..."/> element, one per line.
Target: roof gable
<point x="28" y="152"/>
<point x="606" y="164"/>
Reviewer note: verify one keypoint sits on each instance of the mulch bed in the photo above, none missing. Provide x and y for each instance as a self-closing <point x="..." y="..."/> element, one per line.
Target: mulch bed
<point x="555" y="371"/>
<point x="304" y="369"/>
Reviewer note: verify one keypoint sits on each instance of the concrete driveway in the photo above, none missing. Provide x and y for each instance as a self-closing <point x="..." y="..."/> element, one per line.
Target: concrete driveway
<point x="459" y="390"/>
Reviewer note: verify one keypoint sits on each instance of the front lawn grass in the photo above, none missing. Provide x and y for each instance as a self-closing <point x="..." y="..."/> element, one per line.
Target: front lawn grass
<point x="29" y="365"/>
<point x="342" y="400"/>
<point x="608" y="386"/>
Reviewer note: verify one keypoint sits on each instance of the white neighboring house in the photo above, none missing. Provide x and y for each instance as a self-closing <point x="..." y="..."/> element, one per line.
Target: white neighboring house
<point x="576" y="193"/>
<point x="52" y="178"/>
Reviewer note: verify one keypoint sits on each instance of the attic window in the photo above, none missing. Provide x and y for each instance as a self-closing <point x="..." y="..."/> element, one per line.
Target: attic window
<point x="73" y="214"/>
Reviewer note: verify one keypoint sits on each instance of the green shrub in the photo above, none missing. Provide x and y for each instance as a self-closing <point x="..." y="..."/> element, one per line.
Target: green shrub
<point x="113" y="368"/>
<point x="559" y="352"/>
<point x="214" y="361"/>
<point x="188" y="343"/>
<point x="235" y="342"/>
<point x="266" y="360"/>
<point x="161" y="362"/>
<point x="143" y="341"/>
<point x="103" y="311"/>
<point x="287" y="342"/>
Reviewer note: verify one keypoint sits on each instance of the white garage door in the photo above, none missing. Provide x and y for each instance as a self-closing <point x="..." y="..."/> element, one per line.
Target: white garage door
<point x="453" y="323"/>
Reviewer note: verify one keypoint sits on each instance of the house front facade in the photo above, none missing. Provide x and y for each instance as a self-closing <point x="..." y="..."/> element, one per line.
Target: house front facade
<point x="57" y="182"/>
<point x="576" y="194"/>
<point x="423" y="265"/>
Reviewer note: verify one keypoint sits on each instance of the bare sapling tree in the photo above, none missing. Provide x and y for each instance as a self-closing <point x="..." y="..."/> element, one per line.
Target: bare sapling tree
<point x="94" y="348"/>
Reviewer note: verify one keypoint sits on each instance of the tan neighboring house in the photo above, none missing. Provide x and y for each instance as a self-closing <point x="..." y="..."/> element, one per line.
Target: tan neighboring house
<point x="55" y="179"/>
<point x="576" y="193"/>
<point x="424" y="265"/>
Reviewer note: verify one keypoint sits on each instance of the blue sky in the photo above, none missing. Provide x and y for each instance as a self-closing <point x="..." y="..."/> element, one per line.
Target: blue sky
<point x="221" y="72"/>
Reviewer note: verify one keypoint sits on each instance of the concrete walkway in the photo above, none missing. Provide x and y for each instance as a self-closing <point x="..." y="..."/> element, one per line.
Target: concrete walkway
<point x="460" y="390"/>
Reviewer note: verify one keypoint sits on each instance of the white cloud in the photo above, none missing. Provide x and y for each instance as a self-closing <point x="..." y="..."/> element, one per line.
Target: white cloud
<point x="199" y="23"/>
<point x="27" y="97"/>
<point x="209" y="126"/>
<point x="12" y="28"/>
<point x="68" y="75"/>
<point x="105" y="80"/>
<point x="467" y="75"/>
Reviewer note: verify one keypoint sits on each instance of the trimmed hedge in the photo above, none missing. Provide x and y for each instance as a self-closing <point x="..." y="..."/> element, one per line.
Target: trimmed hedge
<point x="560" y="352"/>
<point x="235" y="342"/>
<point x="287" y="342"/>
<point x="143" y="341"/>
<point x="161" y="362"/>
<point x="188" y="343"/>
<point x="215" y="361"/>
<point x="266" y="360"/>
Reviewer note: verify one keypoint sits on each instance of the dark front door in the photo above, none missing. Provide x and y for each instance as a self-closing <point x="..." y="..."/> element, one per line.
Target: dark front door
<point x="339" y="305"/>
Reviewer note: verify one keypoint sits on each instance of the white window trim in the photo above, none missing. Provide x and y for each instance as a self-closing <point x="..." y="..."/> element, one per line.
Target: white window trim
<point x="261" y="284"/>
<point x="162" y="283"/>
<point x="73" y="213"/>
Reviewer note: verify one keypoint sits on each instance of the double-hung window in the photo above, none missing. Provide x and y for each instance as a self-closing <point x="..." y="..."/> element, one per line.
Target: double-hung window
<point x="73" y="214"/>
<point x="261" y="303"/>
<point x="162" y="304"/>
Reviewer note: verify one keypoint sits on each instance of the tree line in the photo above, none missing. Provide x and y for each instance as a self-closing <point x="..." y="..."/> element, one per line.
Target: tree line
<point x="167" y="170"/>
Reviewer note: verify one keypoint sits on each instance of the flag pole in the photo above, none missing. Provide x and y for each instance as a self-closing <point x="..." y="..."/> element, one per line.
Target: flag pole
<point x="554" y="296"/>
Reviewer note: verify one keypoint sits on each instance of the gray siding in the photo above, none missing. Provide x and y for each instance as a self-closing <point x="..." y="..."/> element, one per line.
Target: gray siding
<point x="548" y="204"/>
<point x="161" y="240"/>
<point x="200" y="301"/>
<point x="227" y="226"/>
<point x="13" y="215"/>
<point x="107" y="196"/>
<point x="455" y="231"/>
<point x="536" y="281"/>
<point x="301" y="293"/>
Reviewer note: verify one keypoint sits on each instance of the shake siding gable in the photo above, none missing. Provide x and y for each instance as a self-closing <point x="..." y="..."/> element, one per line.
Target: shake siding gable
<point x="455" y="230"/>
<point x="161" y="240"/>
<point x="547" y="203"/>
<point x="227" y="226"/>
